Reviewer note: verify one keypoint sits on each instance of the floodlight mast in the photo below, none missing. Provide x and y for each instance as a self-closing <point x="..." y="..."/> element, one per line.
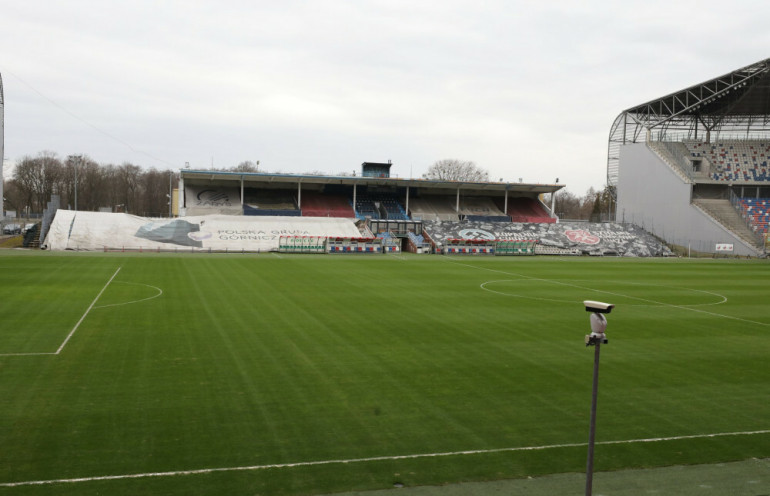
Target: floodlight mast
<point x="595" y="339"/>
<point x="2" y="146"/>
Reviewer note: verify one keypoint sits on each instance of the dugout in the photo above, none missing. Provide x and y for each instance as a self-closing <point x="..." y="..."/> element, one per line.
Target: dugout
<point x="360" y="246"/>
<point x="469" y="247"/>
<point x="512" y="247"/>
<point x="302" y="244"/>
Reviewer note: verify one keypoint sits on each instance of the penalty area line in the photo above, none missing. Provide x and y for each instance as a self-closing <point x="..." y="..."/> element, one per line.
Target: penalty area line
<point x="364" y="460"/>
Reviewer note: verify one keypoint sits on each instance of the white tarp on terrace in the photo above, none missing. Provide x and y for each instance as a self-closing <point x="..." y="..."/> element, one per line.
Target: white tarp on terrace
<point x="72" y="230"/>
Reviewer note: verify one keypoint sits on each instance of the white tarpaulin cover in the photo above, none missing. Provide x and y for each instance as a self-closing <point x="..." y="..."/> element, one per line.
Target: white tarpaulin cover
<point x="72" y="230"/>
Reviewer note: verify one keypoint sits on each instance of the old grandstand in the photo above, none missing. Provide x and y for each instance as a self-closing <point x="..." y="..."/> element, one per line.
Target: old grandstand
<point x="369" y="213"/>
<point x="693" y="166"/>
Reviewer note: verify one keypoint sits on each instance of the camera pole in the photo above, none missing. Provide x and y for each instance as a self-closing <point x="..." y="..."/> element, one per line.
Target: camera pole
<point x="595" y="339"/>
<point x="592" y="431"/>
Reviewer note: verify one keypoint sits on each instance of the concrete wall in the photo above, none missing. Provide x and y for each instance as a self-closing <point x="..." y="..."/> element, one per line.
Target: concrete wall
<point x="654" y="197"/>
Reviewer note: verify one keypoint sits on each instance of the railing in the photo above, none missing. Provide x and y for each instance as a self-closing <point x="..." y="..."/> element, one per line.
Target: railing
<point x="672" y="155"/>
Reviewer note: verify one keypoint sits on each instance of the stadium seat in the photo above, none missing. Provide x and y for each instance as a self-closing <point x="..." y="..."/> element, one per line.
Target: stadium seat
<point x="741" y="161"/>
<point x="757" y="212"/>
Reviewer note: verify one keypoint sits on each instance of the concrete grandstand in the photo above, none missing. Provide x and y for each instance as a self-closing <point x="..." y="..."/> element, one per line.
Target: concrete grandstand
<point x="371" y="213"/>
<point x="693" y="168"/>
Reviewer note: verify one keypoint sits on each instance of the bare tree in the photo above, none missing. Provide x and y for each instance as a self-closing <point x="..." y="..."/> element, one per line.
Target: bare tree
<point x="24" y="178"/>
<point x="112" y="189"/>
<point x="15" y="198"/>
<point x="155" y="191"/>
<point x="93" y="186"/>
<point x="587" y="204"/>
<point x="81" y="173"/>
<point x="594" y="205"/>
<point x="456" y="170"/>
<point x="125" y="188"/>
<point x="246" y="166"/>
<point x="567" y="205"/>
<point x="52" y="169"/>
<point x="37" y="178"/>
<point x="128" y="186"/>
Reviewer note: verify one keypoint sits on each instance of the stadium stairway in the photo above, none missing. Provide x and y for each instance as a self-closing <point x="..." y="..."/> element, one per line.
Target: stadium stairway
<point x="32" y="237"/>
<point x="724" y="213"/>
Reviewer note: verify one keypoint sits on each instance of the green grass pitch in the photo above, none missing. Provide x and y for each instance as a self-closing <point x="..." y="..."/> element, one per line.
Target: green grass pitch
<point x="268" y="374"/>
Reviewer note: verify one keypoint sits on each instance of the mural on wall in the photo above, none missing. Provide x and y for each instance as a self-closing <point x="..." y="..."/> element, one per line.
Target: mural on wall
<point x="589" y="238"/>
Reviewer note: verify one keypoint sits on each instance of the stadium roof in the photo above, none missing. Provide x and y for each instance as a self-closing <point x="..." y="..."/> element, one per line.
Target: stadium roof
<point x="733" y="106"/>
<point x="254" y="178"/>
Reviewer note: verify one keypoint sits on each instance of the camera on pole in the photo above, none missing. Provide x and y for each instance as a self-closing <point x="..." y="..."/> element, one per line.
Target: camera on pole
<point x="596" y="339"/>
<point x="598" y="321"/>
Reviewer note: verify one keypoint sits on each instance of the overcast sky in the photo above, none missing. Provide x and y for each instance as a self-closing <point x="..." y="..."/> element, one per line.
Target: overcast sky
<point x="524" y="89"/>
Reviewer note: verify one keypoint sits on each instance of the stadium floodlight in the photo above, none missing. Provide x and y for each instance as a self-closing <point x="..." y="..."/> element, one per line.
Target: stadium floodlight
<point x="595" y="339"/>
<point x="2" y="146"/>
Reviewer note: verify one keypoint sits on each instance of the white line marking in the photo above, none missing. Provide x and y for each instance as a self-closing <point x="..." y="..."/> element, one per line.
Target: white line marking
<point x="397" y="256"/>
<point x="27" y="354"/>
<point x="698" y="310"/>
<point x="483" y="286"/>
<point x="74" y="328"/>
<point x="160" y="292"/>
<point x="86" y="313"/>
<point x="370" y="459"/>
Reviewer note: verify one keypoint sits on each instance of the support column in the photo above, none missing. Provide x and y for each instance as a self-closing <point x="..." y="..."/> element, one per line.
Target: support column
<point x="241" y="191"/>
<point x="299" y="195"/>
<point x="553" y="204"/>
<point x="407" y="201"/>
<point x="505" y="204"/>
<point x="2" y="147"/>
<point x="457" y="204"/>
<point x="354" y="199"/>
<point x="625" y="125"/>
<point x="181" y="200"/>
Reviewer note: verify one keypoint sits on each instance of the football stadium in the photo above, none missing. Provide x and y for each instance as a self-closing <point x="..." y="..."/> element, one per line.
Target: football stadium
<point x="367" y="334"/>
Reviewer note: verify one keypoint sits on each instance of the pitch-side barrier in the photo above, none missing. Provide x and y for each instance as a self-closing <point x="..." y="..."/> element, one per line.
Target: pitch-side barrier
<point x="320" y="244"/>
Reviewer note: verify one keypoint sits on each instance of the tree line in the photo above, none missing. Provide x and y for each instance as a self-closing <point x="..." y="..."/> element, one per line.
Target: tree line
<point x="595" y="206"/>
<point x="132" y="189"/>
<point x="80" y="180"/>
